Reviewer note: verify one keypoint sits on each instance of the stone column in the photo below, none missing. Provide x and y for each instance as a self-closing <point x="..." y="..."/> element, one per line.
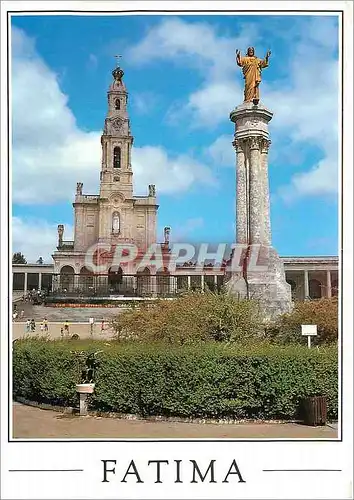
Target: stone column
<point x="267" y="236"/>
<point x="76" y="281"/>
<point x="202" y="282"/>
<point x="306" y="283"/>
<point x="40" y="281"/>
<point x="329" y="284"/>
<point x="255" y="191"/>
<point x="25" y="284"/>
<point x="189" y="281"/>
<point x="241" y="193"/>
<point x="174" y="284"/>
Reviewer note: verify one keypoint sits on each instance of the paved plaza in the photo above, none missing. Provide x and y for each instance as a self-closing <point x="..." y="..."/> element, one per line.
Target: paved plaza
<point x="30" y="422"/>
<point x="78" y="318"/>
<point x="74" y="314"/>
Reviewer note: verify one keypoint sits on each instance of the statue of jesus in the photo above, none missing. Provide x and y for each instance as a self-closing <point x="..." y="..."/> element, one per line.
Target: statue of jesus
<point x="252" y="68"/>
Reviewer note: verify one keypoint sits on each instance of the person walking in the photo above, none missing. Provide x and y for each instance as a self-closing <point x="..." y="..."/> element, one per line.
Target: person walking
<point x="28" y="326"/>
<point x="102" y="326"/>
<point x="45" y="323"/>
<point x="33" y="326"/>
<point x="42" y="327"/>
<point x="66" y="328"/>
<point x="22" y="314"/>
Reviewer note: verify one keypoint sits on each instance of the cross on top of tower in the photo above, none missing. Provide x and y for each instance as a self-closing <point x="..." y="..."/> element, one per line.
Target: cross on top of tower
<point x="118" y="73"/>
<point x="117" y="57"/>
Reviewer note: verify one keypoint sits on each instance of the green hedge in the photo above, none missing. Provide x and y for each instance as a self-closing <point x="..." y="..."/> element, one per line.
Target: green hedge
<point x="209" y="380"/>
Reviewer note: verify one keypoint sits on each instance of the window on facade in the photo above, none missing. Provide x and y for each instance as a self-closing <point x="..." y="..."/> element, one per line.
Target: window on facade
<point x="117" y="103"/>
<point x="116" y="157"/>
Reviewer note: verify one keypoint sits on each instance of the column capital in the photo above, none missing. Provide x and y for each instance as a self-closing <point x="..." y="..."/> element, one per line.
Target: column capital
<point x="264" y="145"/>
<point x="255" y="142"/>
<point x="238" y="144"/>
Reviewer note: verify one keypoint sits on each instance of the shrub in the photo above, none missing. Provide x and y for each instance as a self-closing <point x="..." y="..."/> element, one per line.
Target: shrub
<point x="192" y="317"/>
<point x="208" y="380"/>
<point x="322" y="312"/>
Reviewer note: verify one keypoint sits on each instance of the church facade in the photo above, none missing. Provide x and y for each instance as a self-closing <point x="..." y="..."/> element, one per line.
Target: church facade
<point x="114" y="216"/>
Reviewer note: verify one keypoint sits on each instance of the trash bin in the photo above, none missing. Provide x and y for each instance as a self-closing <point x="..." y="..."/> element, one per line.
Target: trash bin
<point x="315" y="410"/>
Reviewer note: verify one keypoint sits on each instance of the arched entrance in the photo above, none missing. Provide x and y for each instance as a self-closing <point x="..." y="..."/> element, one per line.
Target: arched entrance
<point x="163" y="282"/>
<point x="67" y="278"/>
<point x="115" y="279"/>
<point x="143" y="282"/>
<point x="209" y="283"/>
<point x="315" y="289"/>
<point x="86" y="284"/>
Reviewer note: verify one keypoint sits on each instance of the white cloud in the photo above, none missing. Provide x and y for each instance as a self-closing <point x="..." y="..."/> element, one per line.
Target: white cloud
<point x="143" y="102"/>
<point x="152" y="165"/>
<point x="210" y="105"/>
<point x="35" y="238"/>
<point x="200" y="46"/>
<point x="306" y="109"/>
<point x="194" y="43"/>
<point x="304" y="102"/>
<point x="187" y="229"/>
<point x="51" y="153"/>
<point x="322" y="179"/>
<point x="221" y="152"/>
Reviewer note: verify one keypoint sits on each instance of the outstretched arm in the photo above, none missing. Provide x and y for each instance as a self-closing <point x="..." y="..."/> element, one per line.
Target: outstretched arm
<point x="265" y="61"/>
<point x="238" y="58"/>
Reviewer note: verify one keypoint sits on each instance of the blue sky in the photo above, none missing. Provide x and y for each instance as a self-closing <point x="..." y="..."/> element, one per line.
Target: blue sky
<point x="183" y="82"/>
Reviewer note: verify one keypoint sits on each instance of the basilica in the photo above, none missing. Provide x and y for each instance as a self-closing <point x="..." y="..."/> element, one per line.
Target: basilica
<point x="115" y="215"/>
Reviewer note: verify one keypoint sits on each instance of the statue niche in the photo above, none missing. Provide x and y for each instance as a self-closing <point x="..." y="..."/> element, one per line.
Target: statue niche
<point x="115" y="223"/>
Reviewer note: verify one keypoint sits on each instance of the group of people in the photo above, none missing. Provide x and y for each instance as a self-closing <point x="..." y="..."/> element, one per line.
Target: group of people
<point x="16" y="314"/>
<point x="30" y="326"/>
<point x="64" y="332"/>
<point x="37" y="297"/>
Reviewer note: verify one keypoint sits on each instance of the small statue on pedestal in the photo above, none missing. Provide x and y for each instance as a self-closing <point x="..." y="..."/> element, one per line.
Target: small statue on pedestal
<point x="167" y="231"/>
<point x="60" y="234"/>
<point x="79" y="186"/>
<point x="152" y="190"/>
<point x="88" y="372"/>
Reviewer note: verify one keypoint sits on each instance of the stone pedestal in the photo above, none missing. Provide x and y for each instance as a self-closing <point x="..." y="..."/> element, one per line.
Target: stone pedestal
<point x="84" y="390"/>
<point x="262" y="278"/>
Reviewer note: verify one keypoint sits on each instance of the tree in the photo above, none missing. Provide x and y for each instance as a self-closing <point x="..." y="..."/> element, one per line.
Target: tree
<point x="40" y="261"/>
<point x="18" y="258"/>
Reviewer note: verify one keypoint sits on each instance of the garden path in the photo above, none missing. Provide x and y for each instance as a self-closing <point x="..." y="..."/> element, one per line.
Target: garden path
<point x="30" y="422"/>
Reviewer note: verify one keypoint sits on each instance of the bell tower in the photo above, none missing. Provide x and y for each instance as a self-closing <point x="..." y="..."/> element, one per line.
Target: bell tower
<point x="116" y="140"/>
<point x="114" y="216"/>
